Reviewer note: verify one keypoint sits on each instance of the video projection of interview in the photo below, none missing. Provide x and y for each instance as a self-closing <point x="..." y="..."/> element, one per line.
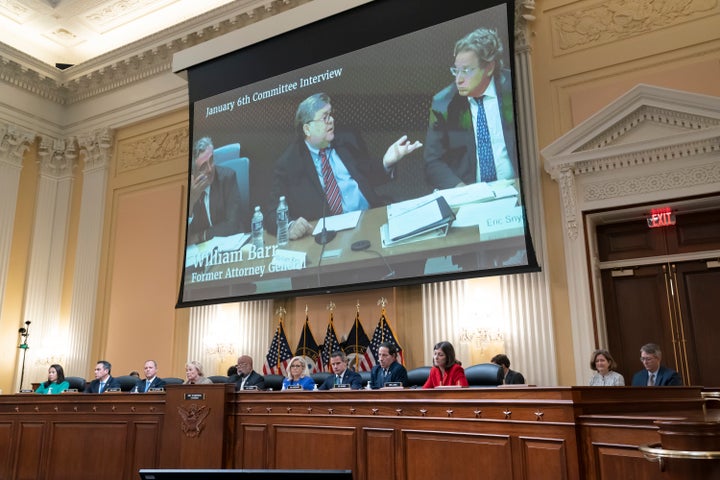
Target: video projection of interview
<point x="389" y="159"/>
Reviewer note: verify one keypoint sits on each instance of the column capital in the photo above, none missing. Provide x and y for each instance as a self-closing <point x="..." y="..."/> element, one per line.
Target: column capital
<point x="58" y="157"/>
<point x="96" y="147"/>
<point x="14" y="142"/>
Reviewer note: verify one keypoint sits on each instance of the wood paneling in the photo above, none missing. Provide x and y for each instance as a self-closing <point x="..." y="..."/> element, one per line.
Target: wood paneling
<point x="519" y="433"/>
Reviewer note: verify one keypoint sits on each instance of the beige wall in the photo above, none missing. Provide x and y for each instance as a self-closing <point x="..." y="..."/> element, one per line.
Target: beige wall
<point x="588" y="53"/>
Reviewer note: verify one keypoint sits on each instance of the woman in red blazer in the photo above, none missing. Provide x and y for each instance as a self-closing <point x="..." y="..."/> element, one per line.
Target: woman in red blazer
<point x="446" y="370"/>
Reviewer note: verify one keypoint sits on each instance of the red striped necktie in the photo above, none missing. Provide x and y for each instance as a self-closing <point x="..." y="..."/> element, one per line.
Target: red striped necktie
<point x="332" y="191"/>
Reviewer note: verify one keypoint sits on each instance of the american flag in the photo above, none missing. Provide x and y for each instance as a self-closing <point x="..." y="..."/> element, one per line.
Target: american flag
<point x="308" y="348"/>
<point x="278" y="354"/>
<point x="357" y="348"/>
<point x="330" y="345"/>
<point x="383" y="333"/>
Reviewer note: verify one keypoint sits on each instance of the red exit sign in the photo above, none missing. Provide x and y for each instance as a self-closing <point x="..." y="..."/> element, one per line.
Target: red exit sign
<point x="661" y="217"/>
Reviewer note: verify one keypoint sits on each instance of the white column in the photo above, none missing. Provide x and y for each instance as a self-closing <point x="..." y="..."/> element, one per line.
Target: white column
<point x="96" y="149"/>
<point x="43" y="291"/>
<point x="13" y="144"/>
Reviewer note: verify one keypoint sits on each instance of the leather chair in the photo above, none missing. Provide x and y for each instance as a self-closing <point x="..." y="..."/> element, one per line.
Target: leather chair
<point x="127" y="382"/>
<point x="365" y="378"/>
<point x="418" y="376"/>
<point x="173" y="381"/>
<point x="76" y="382"/>
<point x="219" y="378"/>
<point x="320" y="377"/>
<point x="273" y="382"/>
<point x="229" y="156"/>
<point x="484" y="375"/>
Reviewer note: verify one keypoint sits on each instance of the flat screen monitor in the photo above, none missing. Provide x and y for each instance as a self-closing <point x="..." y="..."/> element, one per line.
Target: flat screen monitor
<point x="367" y="124"/>
<point x="217" y="474"/>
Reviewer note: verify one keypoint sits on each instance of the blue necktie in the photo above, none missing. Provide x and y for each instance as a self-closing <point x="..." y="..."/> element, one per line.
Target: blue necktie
<point x="484" y="146"/>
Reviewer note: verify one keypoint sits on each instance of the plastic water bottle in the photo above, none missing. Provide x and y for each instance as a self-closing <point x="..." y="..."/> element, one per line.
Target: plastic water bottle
<point x="257" y="228"/>
<point x="282" y="222"/>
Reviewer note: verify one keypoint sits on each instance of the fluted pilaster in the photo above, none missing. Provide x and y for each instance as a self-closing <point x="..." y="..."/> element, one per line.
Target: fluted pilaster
<point x="96" y="151"/>
<point x="13" y="144"/>
<point x="43" y="292"/>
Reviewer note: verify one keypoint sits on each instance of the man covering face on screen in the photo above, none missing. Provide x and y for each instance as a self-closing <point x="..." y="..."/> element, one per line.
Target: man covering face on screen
<point x="325" y="172"/>
<point x="471" y="135"/>
<point x="214" y="208"/>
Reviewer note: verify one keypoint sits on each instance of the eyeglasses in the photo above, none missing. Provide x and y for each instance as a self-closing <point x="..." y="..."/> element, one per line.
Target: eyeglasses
<point x="647" y="359"/>
<point x="327" y="116"/>
<point x="464" y="71"/>
<point x="296" y="366"/>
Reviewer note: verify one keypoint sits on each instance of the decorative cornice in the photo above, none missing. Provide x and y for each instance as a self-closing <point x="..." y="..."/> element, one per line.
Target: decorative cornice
<point x="152" y="150"/>
<point x="606" y="22"/>
<point x="135" y="62"/>
<point x="57" y="157"/>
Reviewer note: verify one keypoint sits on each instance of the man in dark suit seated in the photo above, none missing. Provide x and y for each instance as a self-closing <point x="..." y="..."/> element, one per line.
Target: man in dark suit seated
<point x="103" y="380"/>
<point x="342" y="374"/>
<point x="388" y="369"/>
<point x="325" y="173"/>
<point x="471" y="132"/>
<point x="151" y="379"/>
<point x="214" y="198"/>
<point x="509" y="377"/>
<point x="247" y="377"/>
<point x="654" y="374"/>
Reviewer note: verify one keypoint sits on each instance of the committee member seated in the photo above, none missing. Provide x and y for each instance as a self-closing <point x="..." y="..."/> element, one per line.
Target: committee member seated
<point x="654" y="374"/>
<point x="103" y="380"/>
<point x="151" y="379"/>
<point x="446" y="370"/>
<point x="509" y="377"/>
<point x="195" y="374"/>
<point x="298" y="374"/>
<point x="247" y="376"/>
<point x="342" y="374"/>
<point x="55" y="383"/>
<point x="471" y="131"/>
<point x="214" y="206"/>
<point x="605" y="375"/>
<point x="324" y="172"/>
<point x="388" y="368"/>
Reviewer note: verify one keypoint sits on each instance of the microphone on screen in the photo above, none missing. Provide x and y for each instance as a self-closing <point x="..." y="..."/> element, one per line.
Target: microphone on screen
<point x="361" y="245"/>
<point x="325" y="236"/>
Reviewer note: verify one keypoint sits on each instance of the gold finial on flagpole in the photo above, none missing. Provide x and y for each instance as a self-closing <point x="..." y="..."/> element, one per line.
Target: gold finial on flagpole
<point x="306" y="309"/>
<point x="280" y="312"/>
<point x="330" y="306"/>
<point x="382" y="302"/>
<point x="357" y="305"/>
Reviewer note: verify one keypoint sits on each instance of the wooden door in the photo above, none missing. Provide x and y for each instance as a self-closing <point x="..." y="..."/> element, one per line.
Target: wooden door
<point x="676" y="306"/>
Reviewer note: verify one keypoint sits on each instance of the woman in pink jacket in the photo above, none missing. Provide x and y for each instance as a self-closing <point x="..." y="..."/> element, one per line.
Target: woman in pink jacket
<point x="446" y="370"/>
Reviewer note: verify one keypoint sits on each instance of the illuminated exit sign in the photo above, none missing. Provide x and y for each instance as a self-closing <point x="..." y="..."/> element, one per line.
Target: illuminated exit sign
<point x="661" y="217"/>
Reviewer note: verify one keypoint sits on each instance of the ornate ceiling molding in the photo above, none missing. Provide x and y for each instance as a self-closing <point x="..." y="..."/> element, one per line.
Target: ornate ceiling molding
<point x="135" y="62"/>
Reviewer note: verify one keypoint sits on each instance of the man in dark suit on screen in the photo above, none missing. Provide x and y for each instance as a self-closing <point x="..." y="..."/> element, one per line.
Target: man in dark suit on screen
<point x="324" y="172"/>
<point x="214" y="197"/>
<point x="654" y="374"/>
<point x="103" y="380"/>
<point x="471" y="132"/>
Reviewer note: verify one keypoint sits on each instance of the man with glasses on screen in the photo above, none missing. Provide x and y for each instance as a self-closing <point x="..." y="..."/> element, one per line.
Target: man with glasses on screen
<point x="471" y="133"/>
<point x="324" y="172"/>
<point x="214" y="197"/>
